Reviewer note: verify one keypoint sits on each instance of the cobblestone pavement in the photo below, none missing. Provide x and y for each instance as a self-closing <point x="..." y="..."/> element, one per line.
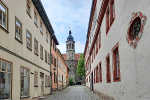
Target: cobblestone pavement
<point x="74" y="93"/>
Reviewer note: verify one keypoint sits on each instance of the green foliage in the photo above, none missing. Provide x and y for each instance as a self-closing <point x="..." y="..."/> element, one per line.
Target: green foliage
<point x="70" y="81"/>
<point x="81" y="67"/>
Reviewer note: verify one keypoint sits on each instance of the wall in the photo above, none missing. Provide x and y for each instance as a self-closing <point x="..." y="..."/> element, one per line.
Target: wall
<point x="17" y="9"/>
<point x="133" y="62"/>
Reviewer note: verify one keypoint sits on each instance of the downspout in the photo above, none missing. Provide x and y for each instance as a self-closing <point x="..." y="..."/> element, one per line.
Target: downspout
<point x="57" y="69"/>
<point x="50" y="65"/>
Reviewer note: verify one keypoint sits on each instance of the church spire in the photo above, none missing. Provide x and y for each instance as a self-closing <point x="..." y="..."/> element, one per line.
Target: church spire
<point x="70" y="37"/>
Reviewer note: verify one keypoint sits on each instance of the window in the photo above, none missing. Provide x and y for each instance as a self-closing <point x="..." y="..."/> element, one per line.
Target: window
<point x="18" y="30"/>
<point x="51" y="59"/>
<point x="28" y="7"/>
<point x="46" y="36"/>
<point x="5" y="80"/>
<point x="25" y="80"/>
<point x="35" y="78"/>
<point x="112" y="11"/>
<point x="97" y="45"/>
<point x="54" y="77"/>
<point x="110" y="15"/>
<point x="29" y="40"/>
<point x="35" y="17"/>
<point x="41" y="51"/>
<point x="55" y="62"/>
<point x="100" y="72"/>
<point x="108" y="69"/>
<point x="54" y="46"/>
<point x="35" y="46"/>
<point x="41" y="28"/>
<point x="45" y="56"/>
<point x="135" y="29"/>
<point x="116" y="69"/>
<point x="3" y="16"/>
<point x="97" y="75"/>
<point x="94" y="76"/>
<point x="100" y="38"/>
<point x="46" y="80"/>
<point x="48" y="58"/>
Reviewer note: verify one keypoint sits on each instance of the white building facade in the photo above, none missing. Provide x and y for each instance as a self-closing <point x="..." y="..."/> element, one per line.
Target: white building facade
<point x="117" y="51"/>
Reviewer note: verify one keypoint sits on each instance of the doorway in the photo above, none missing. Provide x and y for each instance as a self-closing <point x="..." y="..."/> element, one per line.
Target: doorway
<point x="42" y="83"/>
<point x="62" y="81"/>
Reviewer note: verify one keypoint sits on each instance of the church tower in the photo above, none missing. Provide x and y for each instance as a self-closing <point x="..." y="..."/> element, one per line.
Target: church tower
<point x="70" y="52"/>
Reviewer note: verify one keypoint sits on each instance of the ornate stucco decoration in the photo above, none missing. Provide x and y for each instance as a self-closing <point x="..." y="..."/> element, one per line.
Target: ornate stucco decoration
<point x="135" y="28"/>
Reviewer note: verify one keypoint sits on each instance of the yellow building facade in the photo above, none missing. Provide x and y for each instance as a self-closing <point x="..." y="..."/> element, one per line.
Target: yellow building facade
<point x="25" y="39"/>
<point x="62" y="71"/>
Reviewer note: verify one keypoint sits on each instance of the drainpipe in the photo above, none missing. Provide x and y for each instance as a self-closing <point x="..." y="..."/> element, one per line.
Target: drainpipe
<point x="50" y="64"/>
<point x="57" y="69"/>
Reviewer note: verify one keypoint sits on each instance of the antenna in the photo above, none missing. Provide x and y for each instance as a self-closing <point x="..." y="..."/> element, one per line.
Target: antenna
<point x="69" y="27"/>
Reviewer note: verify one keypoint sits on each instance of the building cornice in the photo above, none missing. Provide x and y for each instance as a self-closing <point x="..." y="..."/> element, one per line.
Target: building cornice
<point x="22" y="58"/>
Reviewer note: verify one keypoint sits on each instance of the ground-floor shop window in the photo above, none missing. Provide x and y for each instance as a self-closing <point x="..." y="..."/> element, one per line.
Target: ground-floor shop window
<point x="25" y="80"/>
<point x="5" y="80"/>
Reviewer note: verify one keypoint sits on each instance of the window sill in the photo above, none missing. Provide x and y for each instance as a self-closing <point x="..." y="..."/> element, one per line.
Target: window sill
<point x="29" y="15"/>
<point x="108" y="81"/>
<point x="41" y="32"/>
<point x="24" y="97"/>
<point x="19" y="40"/>
<point x="117" y="79"/>
<point x="29" y="48"/>
<point x="41" y="58"/>
<point x="35" y="85"/>
<point x="35" y="24"/>
<point x="4" y="29"/>
<point x="36" y="53"/>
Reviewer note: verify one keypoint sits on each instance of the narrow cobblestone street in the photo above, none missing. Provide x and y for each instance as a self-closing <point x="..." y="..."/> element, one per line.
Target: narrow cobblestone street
<point x="74" y="93"/>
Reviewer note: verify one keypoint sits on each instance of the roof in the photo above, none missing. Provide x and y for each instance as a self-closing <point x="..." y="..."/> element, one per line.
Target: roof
<point x="38" y="5"/>
<point x="77" y="56"/>
<point x="70" y="37"/>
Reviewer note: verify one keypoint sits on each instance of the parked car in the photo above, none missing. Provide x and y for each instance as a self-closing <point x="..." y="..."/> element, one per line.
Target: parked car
<point x="78" y="83"/>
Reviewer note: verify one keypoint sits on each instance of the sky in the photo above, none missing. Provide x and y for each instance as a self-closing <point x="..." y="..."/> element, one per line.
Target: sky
<point x="65" y="13"/>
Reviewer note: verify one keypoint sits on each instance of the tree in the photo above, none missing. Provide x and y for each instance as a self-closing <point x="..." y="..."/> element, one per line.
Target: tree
<point x="81" y="67"/>
<point x="70" y="81"/>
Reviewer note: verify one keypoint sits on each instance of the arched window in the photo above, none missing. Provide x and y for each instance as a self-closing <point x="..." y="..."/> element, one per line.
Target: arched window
<point x="69" y="45"/>
<point x="72" y="46"/>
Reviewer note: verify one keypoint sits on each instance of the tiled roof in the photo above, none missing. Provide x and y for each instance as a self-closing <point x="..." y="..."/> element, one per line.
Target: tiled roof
<point x="77" y="56"/>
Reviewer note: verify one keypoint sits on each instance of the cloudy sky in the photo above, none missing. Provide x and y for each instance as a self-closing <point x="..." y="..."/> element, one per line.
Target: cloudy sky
<point x="63" y="13"/>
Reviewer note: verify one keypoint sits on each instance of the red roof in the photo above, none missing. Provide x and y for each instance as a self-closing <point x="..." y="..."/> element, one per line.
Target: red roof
<point x="77" y="56"/>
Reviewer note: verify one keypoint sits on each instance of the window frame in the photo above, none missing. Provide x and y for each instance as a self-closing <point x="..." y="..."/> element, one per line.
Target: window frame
<point x="97" y="74"/>
<point x="6" y="18"/>
<point x="108" y="70"/>
<point x="35" y="41"/>
<point x="16" y="26"/>
<point x="110" y="15"/>
<point x="36" y="16"/>
<point x="45" y="56"/>
<point x="27" y="32"/>
<point x="48" y="58"/>
<point x="41" y="27"/>
<point x="28" y="3"/>
<point x="20" y="82"/>
<point x="100" y="72"/>
<point x="115" y="77"/>
<point x="11" y="70"/>
<point x="41" y="51"/>
<point x="47" y="37"/>
<point x="35" y="77"/>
